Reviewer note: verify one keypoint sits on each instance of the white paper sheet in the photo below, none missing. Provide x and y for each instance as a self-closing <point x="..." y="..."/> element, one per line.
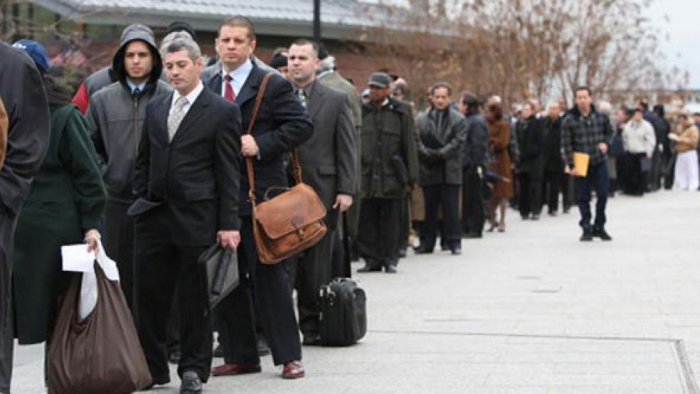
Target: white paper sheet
<point x="77" y="259"/>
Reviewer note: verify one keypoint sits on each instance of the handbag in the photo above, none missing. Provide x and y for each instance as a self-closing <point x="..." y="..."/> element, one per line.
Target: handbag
<point x="222" y="272"/>
<point x="291" y="221"/>
<point x="100" y="354"/>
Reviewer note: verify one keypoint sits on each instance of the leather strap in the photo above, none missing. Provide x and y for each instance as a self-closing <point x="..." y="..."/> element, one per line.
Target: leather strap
<point x="249" y="160"/>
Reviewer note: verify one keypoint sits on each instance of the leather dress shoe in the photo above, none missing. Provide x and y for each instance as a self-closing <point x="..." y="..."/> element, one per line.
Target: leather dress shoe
<point x="422" y="250"/>
<point x="191" y="384"/>
<point x="293" y="370"/>
<point x="236" y="369"/>
<point x="456" y="251"/>
<point x="390" y="269"/>
<point x="586" y="236"/>
<point x="473" y="235"/>
<point x="312" y="340"/>
<point x="602" y="234"/>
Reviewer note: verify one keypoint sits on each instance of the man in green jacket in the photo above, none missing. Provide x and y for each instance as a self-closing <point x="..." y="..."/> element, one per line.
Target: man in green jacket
<point x="389" y="168"/>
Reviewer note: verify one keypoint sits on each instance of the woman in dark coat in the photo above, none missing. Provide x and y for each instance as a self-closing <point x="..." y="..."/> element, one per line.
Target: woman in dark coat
<point x="499" y="163"/>
<point x="64" y="207"/>
<point x="531" y="165"/>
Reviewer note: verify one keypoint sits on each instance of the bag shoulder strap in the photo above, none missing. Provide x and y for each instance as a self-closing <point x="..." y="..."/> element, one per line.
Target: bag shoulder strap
<point x="294" y="162"/>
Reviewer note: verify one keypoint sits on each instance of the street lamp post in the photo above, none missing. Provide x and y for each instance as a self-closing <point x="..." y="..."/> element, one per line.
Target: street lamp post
<point x="317" y="21"/>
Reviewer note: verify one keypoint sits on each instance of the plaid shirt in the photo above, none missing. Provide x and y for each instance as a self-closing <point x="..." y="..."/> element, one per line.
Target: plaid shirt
<point x="583" y="134"/>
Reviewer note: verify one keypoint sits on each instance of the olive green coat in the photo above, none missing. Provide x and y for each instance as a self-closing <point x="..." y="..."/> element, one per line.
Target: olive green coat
<point x="388" y="138"/>
<point x="66" y="198"/>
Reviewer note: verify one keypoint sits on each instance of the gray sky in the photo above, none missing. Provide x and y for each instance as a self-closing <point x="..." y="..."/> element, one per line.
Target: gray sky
<point x="683" y="28"/>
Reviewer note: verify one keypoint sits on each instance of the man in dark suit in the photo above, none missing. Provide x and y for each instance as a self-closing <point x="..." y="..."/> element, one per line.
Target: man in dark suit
<point x="27" y="131"/>
<point x="186" y="183"/>
<point x="328" y="164"/>
<point x="281" y="125"/>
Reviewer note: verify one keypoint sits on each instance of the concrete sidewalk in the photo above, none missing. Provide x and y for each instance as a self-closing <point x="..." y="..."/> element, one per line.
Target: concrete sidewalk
<point x="531" y="310"/>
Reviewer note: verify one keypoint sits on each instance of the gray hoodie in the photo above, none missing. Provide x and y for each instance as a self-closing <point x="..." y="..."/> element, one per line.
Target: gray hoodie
<point x="115" y="117"/>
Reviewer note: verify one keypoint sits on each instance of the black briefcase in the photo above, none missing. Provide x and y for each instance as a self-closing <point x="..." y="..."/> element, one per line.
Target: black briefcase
<point x="222" y="272"/>
<point x="343" y="313"/>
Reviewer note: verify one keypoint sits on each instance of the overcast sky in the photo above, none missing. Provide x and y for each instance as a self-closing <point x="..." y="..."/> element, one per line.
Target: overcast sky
<point x="683" y="28"/>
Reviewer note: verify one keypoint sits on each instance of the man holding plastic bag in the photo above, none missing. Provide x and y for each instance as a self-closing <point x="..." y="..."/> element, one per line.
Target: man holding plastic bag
<point x="186" y="184"/>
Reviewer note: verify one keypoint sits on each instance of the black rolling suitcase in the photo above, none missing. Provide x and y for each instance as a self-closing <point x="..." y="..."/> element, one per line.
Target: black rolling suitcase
<point x="343" y="313"/>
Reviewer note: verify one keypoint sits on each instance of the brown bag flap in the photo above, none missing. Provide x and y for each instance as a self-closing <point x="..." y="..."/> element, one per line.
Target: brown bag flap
<point x="286" y="213"/>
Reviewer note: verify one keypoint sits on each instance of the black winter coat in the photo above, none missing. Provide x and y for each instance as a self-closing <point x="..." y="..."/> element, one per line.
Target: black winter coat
<point x="553" y="161"/>
<point x="440" y="148"/>
<point x="531" y="144"/>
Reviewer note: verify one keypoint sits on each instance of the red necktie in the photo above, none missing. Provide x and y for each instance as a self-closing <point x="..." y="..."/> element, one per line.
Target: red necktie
<point x="228" y="91"/>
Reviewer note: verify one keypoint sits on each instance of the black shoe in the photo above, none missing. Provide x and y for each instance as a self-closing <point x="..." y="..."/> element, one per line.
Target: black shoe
<point x="566" y="210"/>
<point x="587" y="235"/>
<point x="191" y="384"/>
<point x="174" y="356"/>
<point x="456" y="251"/>
<point x="218" y="351"/>
<point x="263" y="349"/>
<point x="370" y="268"/>
<point x="473" y="235"/>
<point x="602" y="234"/>
<point x="312" y="340"/>
<point x="535" y="216"/>
<point x="390" y="269"/>
<point x="422" y="250"/>
<point x="524" y="217"/>
<point x="552" y="213"/>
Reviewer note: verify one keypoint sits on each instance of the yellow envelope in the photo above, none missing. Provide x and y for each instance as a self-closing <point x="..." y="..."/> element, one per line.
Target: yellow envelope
<point x="581" y="163"/>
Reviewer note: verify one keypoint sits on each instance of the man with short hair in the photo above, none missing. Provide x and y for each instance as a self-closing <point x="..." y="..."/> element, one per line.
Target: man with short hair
<point x="442" y="132"/>
<point x="587" y="131"/>
<point x="389" y="170"/>
<point x="26" y="128"/>
<point x="328" y="164"/>
<point x="186" y="182"/>
<point x="115" y="118"/>
<point x="281" y="126"/>
<point x="474" y="161"/>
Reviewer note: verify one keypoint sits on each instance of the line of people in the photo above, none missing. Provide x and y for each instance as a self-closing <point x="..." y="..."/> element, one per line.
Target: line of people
<point x="156" y="167"/>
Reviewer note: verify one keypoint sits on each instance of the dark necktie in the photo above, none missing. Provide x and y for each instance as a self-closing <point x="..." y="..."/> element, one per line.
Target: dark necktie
<point x="228" y="91"/>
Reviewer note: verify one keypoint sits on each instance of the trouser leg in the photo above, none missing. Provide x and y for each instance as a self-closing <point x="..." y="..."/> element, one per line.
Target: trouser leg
<point x="430" y="227"/>
<point x="389" y="217"/>
<point x="602" y="182"/>
<point x="582" y="186"/>
<point x="368" y="236"/>
<point x="315" y="271"/>
<point x="7" y="224"/>
<point x="449" y="196"/>
<point x="119" y="244"/>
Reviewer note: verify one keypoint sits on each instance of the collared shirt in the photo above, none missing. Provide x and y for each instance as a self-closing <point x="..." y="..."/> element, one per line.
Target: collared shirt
<point x="191" y="97"/>
<point x="133" y="86"/>
<point x="238" y="77"/>
<point x="324" y="73"/>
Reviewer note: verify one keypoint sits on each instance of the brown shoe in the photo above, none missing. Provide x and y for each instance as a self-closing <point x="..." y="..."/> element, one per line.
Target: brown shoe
<point x="235" y="369"/>
<point x="293" y="370"/>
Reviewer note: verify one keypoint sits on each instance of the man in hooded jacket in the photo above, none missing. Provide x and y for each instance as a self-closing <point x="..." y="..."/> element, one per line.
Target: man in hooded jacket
<point x="115" y="117"/>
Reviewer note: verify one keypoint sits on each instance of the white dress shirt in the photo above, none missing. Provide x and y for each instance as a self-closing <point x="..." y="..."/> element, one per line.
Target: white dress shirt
<point x="238" y="77"/>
